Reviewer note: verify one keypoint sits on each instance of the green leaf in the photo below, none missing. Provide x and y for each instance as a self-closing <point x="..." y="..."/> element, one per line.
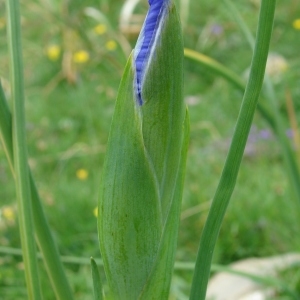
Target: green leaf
<point x="164" y="111"/>
<point x="96" y="280"/>
<point x="143" y="173"/>
<point x="129" y="210"/>
<point x="20" y="151"/>
<point x="159" y="283"/>
<point x="6" y="128"/>
<point x="43" y="235"/>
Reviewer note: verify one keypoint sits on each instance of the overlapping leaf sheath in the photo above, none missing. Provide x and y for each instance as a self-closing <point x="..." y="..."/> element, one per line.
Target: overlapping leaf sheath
<point x="143" y="173"/>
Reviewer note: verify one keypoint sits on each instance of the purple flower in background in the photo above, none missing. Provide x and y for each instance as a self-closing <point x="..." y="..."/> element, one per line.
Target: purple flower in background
<point x="216" y="29"/>
<point x="289" y="133"/>
<point x="265" y="134"/>
<point x="260" y="138"/>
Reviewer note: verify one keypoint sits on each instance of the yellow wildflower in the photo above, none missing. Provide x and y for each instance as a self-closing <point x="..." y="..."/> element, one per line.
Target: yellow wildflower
<point x="296" y="24"/>
<point x="53" y="52"/>
<point x="100" y="29"/>
<point x="81" y="57"/>
<point x="111" y="45"/>
<point x="82" y="174"/>
<point x="8" y="213"/>
<point x="95" y="211"/>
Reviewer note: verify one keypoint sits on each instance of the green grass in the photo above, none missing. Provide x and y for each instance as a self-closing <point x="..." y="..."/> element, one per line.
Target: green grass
<point x="68" y="124"/>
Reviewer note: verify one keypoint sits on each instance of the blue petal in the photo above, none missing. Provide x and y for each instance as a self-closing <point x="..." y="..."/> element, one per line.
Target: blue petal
<point x="146" y="43"/>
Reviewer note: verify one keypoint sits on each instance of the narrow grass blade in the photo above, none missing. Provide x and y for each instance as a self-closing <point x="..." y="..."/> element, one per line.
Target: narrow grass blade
<point x="230" y="171"/>
<point x="288" y="155"/>
<point x="6" y="128"/>
<point x="48" y="247"/>
<point x="20" y="152"/>
<point x="96" y="280"/>
<point x="42" y="231"/>
<point x="292" y="116"/>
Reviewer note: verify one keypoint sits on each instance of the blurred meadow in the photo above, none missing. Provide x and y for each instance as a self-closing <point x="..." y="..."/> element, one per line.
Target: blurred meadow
<point x="74" y="54"/>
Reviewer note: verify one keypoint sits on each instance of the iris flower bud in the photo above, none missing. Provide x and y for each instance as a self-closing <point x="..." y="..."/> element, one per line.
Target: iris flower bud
<point x="143" y="173"/>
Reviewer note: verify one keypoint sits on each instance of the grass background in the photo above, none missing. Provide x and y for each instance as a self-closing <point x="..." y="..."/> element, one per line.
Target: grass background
<point x="69" y="107"/>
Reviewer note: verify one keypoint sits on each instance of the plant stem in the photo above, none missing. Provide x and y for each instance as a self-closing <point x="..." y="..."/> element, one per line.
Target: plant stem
<point x="20" y="152"/>
<point x="278" y="124"/>
<point x="230" y="171"/>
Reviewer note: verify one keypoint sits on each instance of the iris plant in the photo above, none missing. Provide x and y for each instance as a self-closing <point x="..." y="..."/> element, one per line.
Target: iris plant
<point x="143" y="174"/>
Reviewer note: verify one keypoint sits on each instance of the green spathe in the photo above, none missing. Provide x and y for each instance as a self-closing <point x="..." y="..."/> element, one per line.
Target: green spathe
<point x="143" y="174"/>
